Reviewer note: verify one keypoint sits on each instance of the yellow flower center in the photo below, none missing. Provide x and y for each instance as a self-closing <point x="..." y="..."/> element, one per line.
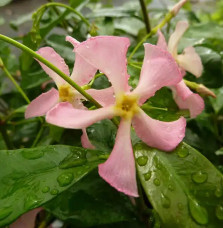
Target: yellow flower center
<point x="126" y="106"/>
<point x="66" y="93"/>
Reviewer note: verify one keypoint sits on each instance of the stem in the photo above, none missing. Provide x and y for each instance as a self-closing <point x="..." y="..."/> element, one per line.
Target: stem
<point x="52" y="67"/>
<point x="145" y="16"/>
<point x="167" y="18"/>
<point x="14" y="81"/>
<point x="5" y="136"/>
<point x="52" y="4"/>
<point x="38" y="136"/>
<point x="192" y="85"/>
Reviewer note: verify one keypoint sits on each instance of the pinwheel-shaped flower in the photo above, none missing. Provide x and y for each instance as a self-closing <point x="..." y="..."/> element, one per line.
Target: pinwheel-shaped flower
<point x="189" y="61"/>
<point x="82" y="73"/>
<point x="108" y="54"/>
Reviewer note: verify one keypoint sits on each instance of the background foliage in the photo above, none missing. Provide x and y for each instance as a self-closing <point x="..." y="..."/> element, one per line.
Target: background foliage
<point x="44" y="165"/>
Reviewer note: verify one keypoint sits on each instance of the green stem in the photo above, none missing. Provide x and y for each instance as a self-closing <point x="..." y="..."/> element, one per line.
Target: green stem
<point x="38" y="136"/>
<point x="52" y="67"/>
<point x="145" y="16"/>
<point x="5" y="136"/>
<point x="14" y="81"/>
<point x="167" y="18"/>
<point x="52" y="4"/>
<point x="135" y="66"/>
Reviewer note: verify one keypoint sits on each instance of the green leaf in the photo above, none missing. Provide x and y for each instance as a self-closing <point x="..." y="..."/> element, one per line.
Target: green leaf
<point x="183" y="186"/>
<point x="102" y="135"/>
<point x="31" y="177"/>
<point x="92" y="202"/>
<point x="217" y="102"/>
<point x="4" y="2"/>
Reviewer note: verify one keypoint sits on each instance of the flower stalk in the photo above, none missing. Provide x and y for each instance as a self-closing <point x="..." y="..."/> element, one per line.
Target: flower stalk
<point x="145" y="16"/>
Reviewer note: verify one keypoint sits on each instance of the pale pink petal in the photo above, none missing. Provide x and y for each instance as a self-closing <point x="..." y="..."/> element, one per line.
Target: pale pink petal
<point x="27" y="220"/>
<point x="83" y="72"/>
<point x="85" y="140"/>
<point x="162" y="135"/>
<point x="119" y="170"/>
<point x="177" y="7"/>
<point x="42" y="104"/>
<point x="108" y="54"/>
<point x="190" y="61"/>
<point x="161" y="41"/>
<point x="159" y="69"/>
<point x="186" y="99"/>
<point x="49" y="54"/>
<point x="73" y="41"/>
<point x="104" y="96"/>
<point x="174" y="39"/>
<point x="65" y="115"/>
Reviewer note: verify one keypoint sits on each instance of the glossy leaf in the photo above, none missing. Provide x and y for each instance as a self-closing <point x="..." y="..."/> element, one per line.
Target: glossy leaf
<point x="31" y="177"/>
<point x="184" y="188"/>
<point x="92" y="202"/>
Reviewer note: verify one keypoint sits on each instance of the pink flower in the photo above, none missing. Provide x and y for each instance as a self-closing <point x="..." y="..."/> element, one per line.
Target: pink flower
<point x="189" y="61"/>
<point x="108" y="54"/>
<point x="82" y="73"/>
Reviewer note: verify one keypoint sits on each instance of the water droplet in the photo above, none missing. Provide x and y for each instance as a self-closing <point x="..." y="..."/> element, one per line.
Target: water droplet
<point x="45" y="189"/>
<point x="142" y="160"/>
<point x="158" y="165"/>
<point x="65" y="179"/>
<point x="182" y="152"/>
<point x="165" y="201"/>
<point x="180" y="206"/>
<point x="147" y="175"/>
<point x="218" y="192"/>
<point x="32" y="201"/>
<point x="76" y="158"/>
<point x="33" y="154"/>
<point x="219" y="212"/>
<point x="54" y="192"/>
<point x="5" y="212"/>
<point x="156" y="181"/>
<point x="198" y="213"/>
<point x="171" y="187"/>
<point x="199" y="177"/>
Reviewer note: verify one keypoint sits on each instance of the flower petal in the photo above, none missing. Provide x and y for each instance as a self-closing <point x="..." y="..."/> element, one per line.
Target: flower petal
<point x="108" y="54"/>
<point x="161" y="41"/>
<point x="186" y="99"/>
<point x="159" y="69"/>
<point x="49" y="54"/>
<point x="42" y="104"/>
<point x="119" y="170"/>
<point x="174" y="39"/>
<point x="65" y="115"/>
<point x="162" y="135"/>
<point x="190" y="61"/>
<point x="83" y="72"/>
<point x="27" y="220"/>
<point x="85" y="140"/>
<point x="104" y="96"/>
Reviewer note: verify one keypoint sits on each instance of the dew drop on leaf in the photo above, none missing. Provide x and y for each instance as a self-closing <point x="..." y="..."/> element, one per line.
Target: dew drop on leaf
<point x="199" y="177"/>
<point x="218" y="192"/>
<point x="142" y="160"/>
<point x="45" y="189"/>
<point x="65" y="179"/>
<point x="171" y="187"/>
<point x="156" y="181"/>
<point x="4" y="213"/>
<point x="54" y="192"/>
<point x="32" y="201"/>
<point x="32" y="155"/>
<point x="182" y="152"/>
<point x="147" y="175"/>
<point x="180" y="206"/>
<point x="219" y="212"/>
<point x="165" y="201"/>
<point x="198" y="213"/>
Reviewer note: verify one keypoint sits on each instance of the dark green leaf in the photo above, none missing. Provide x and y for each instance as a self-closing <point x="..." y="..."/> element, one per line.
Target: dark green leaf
<point x="92" y="202"/>
<point x="184" y="188"/>
<point x="31" y="177"/>
<point x="217" y="102"/>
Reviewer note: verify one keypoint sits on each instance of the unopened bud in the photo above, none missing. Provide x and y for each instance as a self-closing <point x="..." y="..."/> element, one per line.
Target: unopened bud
<point x="205" y="91"/>
<point x="177" y="7"/>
